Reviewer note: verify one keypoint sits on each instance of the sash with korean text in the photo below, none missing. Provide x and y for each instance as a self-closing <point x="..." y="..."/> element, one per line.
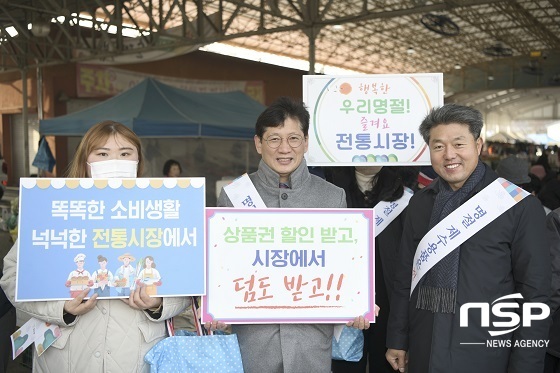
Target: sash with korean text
<point x="243" y="194"/>
<point x="386" y="212"/>
<point x="462" y="224"/>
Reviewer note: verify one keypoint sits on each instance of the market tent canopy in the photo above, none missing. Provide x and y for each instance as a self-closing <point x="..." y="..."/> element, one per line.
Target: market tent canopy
<point x="154" y="109"/>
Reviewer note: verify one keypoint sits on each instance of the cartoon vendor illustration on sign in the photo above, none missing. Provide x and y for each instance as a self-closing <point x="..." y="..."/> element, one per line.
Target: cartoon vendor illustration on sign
<point x="149" y="275"/>
<point x="124" y="277"/>
<point x="79" y="279"/>
<point x="102" y="278"/>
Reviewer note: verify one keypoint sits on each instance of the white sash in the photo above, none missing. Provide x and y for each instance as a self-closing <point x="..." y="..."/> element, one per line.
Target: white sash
<point x="462" y="224"/>
<point x="243" y="194"/>
<point x="386" y="212"/>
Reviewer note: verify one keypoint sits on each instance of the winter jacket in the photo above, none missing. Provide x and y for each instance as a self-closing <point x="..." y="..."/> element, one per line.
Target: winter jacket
<point x="509" y="255"/>
<point x="112" y="337"/>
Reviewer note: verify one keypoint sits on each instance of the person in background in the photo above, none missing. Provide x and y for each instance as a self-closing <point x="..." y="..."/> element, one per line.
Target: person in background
<point x="543" y="160"/>
<point x="539" y="171"/>
<point x="283" y="181"/>
<point x="106" y="335"/>
<point x="365" y="187"/>
<point x="553" y="159"/>
<point x="536" y="185"/>
<point x="515" y="170"/>
<point x="508" y="255"/>
<point x="550" y="193"/>
<point x="172" y="168"/>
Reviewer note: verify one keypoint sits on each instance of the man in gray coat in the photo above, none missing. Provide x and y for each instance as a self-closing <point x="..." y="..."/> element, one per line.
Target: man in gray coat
<point x="508" y="256"/>
<point x="283" y="181"/>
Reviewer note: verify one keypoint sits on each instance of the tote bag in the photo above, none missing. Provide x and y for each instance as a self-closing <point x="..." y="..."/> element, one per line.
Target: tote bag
<point x="349" y="346"/>
<point x="191" y="352"/>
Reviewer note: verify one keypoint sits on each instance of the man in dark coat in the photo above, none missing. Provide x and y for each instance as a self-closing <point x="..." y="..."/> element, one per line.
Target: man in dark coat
<point x="509" y="255"/>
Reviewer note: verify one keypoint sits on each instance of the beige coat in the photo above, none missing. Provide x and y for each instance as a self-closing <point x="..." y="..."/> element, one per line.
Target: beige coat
<point x="110" y="338"/>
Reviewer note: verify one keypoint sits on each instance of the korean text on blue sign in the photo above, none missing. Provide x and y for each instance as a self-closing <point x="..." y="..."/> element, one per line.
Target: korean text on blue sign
<point x="111" y="235"/>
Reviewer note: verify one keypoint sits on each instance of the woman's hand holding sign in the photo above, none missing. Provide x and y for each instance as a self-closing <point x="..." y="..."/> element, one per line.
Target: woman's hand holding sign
<point x="140" y="300"/>
<point x="78" y="306"/>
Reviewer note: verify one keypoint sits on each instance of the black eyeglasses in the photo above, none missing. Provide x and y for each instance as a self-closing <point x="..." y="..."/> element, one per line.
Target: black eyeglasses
<point x="275" y="141"/>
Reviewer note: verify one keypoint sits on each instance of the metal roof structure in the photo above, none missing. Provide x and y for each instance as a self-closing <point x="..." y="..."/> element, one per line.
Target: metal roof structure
<point x="494" y="53"/>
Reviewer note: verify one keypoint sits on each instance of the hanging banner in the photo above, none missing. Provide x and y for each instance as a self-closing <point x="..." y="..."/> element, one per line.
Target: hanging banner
<point x="289" y="265"/>
<point x="105" y="81"/>
<point x="110" y="235"/>
<point x="369" y="119"/>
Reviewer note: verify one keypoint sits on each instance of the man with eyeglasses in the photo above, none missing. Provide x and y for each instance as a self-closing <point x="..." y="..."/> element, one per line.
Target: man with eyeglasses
<point x="283" y="181"/>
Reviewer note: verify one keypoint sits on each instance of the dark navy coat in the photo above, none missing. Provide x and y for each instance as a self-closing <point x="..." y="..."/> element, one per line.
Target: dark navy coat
<point x="509" y="255"/>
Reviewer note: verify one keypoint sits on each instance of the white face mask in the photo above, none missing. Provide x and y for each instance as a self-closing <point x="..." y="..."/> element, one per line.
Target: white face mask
<point x="114" y="168"/>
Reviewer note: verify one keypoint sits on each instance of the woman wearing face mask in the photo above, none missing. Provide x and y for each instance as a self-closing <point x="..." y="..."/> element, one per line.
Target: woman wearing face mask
<point x="105" y="335"/>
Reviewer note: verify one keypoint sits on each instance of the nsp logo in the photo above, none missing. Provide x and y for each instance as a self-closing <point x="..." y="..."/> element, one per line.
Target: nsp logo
<point x="498" y="311"/>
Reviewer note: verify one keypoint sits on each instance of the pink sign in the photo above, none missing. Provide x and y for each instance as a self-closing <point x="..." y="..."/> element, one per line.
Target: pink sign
<point x="289" y="265"/>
